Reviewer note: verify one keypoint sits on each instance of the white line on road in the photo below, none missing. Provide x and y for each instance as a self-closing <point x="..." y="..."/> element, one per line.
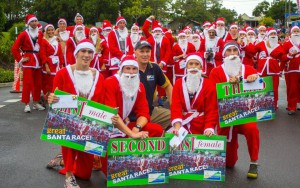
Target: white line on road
<point x="12" y="100"/>
<point x="2" y="106"/>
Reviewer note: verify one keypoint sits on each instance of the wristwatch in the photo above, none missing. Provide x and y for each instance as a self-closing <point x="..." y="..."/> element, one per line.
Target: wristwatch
<point x="138" y="126"/>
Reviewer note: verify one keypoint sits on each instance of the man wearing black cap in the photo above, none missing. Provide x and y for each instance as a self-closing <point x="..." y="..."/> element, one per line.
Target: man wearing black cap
<point x="232" y="70"/>
<point x="152" y="76"/>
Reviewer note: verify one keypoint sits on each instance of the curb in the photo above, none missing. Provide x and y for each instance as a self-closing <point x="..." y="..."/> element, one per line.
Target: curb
<point x="8" y="84"/>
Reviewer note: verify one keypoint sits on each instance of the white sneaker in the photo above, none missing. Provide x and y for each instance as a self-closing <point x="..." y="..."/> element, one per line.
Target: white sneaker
<point x="27" y="108"/>
<point x="37" y="106"/>
<point x="298" y="106"/>
<point x="71" y="182"/>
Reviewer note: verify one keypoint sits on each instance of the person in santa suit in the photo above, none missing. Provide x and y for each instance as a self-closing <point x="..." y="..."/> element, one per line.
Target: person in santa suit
<point x="291" y="70"/>
<point x="119" y="45"/>
<point x="100" y="60"/>
<point x="189" y="33"/>
<point x="134" y="36"/>
<point x="52" y="58"/>
<point x="106" y="29"/>
<point x="261" y="36"/>
<point x="78" y="20"/>
<point x="270" y="53"/>
<point x="196" y="42"/>
<point x="180" y="52"/>
<point x="28" y="42"/>
<point x="211" y="48"/>
<point x="125" y="92"/>
<point x="221" y="31"/>
<point x="168" y="34"/>
<point x="62" y="35"/>
<point x="78" y="35"/>
<point x="161" y="53"/>
<point x="247" y="48"/>
<point x="232" y="70"/>
<point x="194" y="105"/>
<point x="234" y="32"/>
<point x="205" y="27"/>
<point x="251" y="35"/>
<point x="79" y="79"/>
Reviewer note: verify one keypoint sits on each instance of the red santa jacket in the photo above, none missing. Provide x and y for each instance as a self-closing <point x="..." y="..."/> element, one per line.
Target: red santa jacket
<point x="25" y="47"/>
<point x="247" y="53"/>
<point x="217" y="50"/>
<point x="101" y="58"/>
<point x="70" y="48"/>
<point x="113" y="97"/>
<point x="179" y="65"/>
<point x="201" y="112"/>
<point x="165" y="49"/>
<point x="268" y="59"/>
<point x="293" y="62"/>
<point x="218" y="75"/>
<point x="52" y="55"/>
<point x="71" y="29"/>
<point x="130" y="41"/>
<point x="64" y="81"/>
<point x="227" y="36"/>
<point x="115" y="52"/>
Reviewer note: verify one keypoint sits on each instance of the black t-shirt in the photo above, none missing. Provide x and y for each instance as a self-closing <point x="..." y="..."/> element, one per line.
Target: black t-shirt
<point x="152" y="77"/>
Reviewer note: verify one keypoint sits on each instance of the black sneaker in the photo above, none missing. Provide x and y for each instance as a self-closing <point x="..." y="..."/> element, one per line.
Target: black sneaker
<point x="291" y="112"/>
<point x="252" y="173"/>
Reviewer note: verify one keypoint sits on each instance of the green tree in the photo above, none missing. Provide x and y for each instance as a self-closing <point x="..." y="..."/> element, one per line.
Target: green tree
<point x="261" y="8"/>
<point x="267" y="21"/>
<point x="136" y="10"/>
<point x="277" y="10"/>
<point x="2" y="18"/>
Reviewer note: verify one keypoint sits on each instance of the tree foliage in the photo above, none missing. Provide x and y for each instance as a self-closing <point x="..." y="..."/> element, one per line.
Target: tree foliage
<point x="267" y="21"/>
<point x="277" y="10"/>
<point x="261" y="8"/>
<point x="136" y="10"/>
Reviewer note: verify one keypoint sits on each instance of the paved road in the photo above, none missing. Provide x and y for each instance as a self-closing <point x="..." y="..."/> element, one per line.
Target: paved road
<point x="23" y="156"/>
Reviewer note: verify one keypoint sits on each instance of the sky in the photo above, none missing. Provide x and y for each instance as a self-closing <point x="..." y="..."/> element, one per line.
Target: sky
<point x="244" y="6"/>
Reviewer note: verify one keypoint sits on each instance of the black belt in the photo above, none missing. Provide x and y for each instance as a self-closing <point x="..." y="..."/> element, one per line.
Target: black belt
<point x="29" y="51"/>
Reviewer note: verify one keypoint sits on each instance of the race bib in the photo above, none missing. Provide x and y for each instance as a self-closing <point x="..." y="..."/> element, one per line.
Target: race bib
<point x="55" y="59"/>
<point x="114" y="61"/>
<point x="182" y="64"/>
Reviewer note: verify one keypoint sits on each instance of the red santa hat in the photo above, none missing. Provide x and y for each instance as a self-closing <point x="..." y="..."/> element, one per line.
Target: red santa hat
<point x="197" y="35"/>
<point x="242" y="31"/>
<point x="247" y="27"/>
<point x="62" y="20"/>
<point x="78" y="15"/>
<point x="29" y="18"/>
<point x="85" y="43"/>
<point x="195" y="56"/>
<point x="187" y="28"/>
<point x="206" y="23"/>
<point x="261" y="26"/>
<point x="220" y="21"/>
<point x="76" y="27"/>
<point x="47" y="26"/>
<point x="229" y="44"/>
<point x="233" y="25"/>
<point x="181" y="33"/>
<point x="156" y="26"/>
<point x="251" y="31"/>
<point x="294" y="27"/>
<point x="40" y="26"/>
<point x="212" y="27"/>
<point x="119" y="19"/>
<point x="135" y="25"/>
<point x="271" y="30"/>
<point x="106" y="25"/>
<point x="128" y="60"/>
<point x="94" y="28"/>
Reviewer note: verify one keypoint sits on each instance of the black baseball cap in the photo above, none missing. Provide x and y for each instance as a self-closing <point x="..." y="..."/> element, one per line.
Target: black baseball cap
<point x="141" y="44"/>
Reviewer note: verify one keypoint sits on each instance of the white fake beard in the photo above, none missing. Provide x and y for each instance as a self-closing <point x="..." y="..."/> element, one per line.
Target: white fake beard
<point x="193" y="80"/>
<point x="134" y="36"/>
<point x="260" y="37"/>
<point x="105" y="34"/>
<point x="273" y="41"/>
<point x="251" y="39"/>
<point x="183" y="44"/>
<point x="220" y="31"/>
<point x="79" y="35"/>
<point x="190" y="38"/>
<point x="123" y="33"/>
<point x="244" y="39"/>
<point x="232" y="65"/>
<point x="53" y="41"/>
<point x="33" y="32"/>
<point x="64" y="35"/>
<point x="295" y="39"/>
<point x="196" y="43"/>
<point x="130" y="84"/>
<point x="210" y="43"/>
<point x="205" y="32"/>
<point x="157" y="37"/>
<point x="94" y="38"/>
<point x="83" y="81"/>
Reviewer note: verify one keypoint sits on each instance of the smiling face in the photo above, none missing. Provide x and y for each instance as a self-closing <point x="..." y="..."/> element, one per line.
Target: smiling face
<point x="143" y="55"/>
